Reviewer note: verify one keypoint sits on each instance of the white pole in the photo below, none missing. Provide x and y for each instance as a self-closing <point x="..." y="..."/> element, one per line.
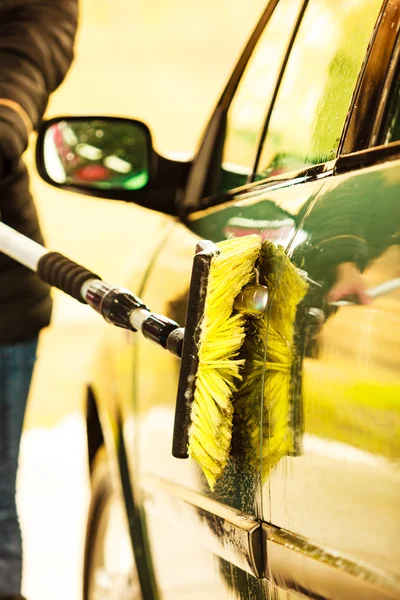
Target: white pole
<point x="384" y="288"/>
<point x="380" y="290"/>
<point x="22" y="249"/>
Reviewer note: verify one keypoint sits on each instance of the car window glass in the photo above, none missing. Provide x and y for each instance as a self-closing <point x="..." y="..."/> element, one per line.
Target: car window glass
<point x="316" y="90"/>
<point x="247" y="112"/>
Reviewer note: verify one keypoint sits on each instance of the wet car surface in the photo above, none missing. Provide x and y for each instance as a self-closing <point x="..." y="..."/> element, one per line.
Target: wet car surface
<point x="308" y="158"/>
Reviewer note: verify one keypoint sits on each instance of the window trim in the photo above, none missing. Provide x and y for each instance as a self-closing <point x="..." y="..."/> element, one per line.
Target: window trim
<point x="221" y="201"/>
<point x="378" y="133"/>
<point x="237" y="74"/>
<point x="281" y="73"/>
<point x="368" y="157"/>
<point x="196" y="188"/>
<point x="359" y="129"/>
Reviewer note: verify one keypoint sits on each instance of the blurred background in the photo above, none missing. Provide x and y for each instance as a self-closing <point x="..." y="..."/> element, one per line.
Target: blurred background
<point x="164" y="63"/>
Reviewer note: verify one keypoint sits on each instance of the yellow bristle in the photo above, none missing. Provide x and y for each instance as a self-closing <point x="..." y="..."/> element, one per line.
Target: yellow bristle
<point x="222" y="335"/>
<point x="267" y="374"/>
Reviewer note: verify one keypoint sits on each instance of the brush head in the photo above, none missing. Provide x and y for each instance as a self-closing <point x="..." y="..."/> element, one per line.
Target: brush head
<point x="210" y="367"/>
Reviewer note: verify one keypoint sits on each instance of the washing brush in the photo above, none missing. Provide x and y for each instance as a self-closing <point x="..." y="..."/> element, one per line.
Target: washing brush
<point x="221" y="303"/>
<point x="219" y="306"/>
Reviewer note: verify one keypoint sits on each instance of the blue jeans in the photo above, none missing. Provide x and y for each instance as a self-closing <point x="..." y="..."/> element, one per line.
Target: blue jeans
<point x="16" y="367"/>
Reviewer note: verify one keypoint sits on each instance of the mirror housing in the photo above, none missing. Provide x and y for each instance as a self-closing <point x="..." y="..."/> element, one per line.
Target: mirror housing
<point x="109" y="157"/>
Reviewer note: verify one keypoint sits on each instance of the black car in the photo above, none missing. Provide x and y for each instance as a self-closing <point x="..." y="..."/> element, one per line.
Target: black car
<point x="303" y="149"/>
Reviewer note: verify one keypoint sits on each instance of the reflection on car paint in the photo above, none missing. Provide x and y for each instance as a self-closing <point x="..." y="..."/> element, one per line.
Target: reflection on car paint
<point x="345" y="380"/>
<point x="279" y="231"/>
<point x="350" y="385"/>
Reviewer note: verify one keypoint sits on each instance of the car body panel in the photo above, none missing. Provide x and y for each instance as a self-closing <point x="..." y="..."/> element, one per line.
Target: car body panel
<point x="319" y="495"/>
<point x="148" y="417"/>
<point x="343" y="491"/>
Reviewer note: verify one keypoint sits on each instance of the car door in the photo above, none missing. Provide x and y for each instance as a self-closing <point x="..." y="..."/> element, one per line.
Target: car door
<point x="341" y="493"/>
<point x="204" y="544"/>
<point x="331" y="500"/>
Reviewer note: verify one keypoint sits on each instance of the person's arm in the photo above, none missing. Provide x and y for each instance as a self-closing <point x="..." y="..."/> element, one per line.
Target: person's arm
<point x="36" y="50"/>
<point x="349" y="282"/>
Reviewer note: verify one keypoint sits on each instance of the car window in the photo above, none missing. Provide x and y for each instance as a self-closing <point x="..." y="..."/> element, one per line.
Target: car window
<point x="247" y="112"/>
<point x="315" y="94"/>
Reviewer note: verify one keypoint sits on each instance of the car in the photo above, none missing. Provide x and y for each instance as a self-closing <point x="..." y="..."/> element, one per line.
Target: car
<point x="303" y="149"/>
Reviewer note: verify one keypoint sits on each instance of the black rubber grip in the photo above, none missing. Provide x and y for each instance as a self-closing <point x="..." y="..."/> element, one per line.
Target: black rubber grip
<point x="64" y="274"/>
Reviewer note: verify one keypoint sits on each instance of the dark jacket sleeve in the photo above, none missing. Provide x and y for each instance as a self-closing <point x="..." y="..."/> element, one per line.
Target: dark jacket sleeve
<point x="36" y="50"/>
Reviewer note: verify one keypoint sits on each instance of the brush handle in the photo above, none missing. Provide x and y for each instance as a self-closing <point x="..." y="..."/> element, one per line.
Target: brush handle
<point x="63" y="273"/>
<point x="116" y="305"/>
<point x="20" y="248"/>
<point x="52" y="267"/>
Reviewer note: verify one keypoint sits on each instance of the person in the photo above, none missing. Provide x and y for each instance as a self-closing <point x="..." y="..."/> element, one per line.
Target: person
<point x="36" y="50"/>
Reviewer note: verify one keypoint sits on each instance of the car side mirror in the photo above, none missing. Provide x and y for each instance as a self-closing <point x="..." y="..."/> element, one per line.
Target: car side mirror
<point x="99" y="153"/>
<point x="108" y="157"/>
